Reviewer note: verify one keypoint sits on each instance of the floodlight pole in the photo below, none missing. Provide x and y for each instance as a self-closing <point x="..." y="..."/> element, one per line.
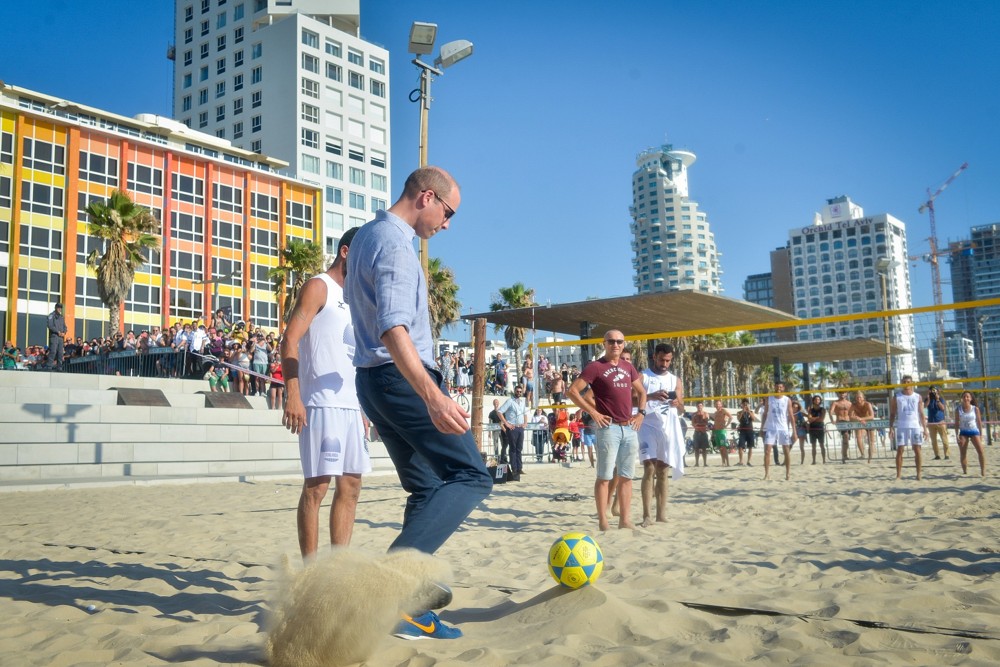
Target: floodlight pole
<point x="982" y="366"/>
<point x="425" y="108"/>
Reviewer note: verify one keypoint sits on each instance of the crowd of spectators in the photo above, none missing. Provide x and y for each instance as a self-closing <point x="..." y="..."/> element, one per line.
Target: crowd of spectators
<point x="236" y="357"/>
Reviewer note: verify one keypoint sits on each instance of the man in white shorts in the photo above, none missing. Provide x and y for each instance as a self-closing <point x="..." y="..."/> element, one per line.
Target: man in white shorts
<point x="779" y="424"/>
<point x="661" y="440"/>
<point x="907" y="424"/>
<point x="317" y="354"/>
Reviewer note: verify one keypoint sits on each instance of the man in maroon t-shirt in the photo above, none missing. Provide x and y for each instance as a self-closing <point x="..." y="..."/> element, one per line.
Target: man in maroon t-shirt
<point x="612" y="381"/>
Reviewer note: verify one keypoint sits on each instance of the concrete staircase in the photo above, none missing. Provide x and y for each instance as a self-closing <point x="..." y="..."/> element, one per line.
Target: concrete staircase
<point x="61" y="430"/>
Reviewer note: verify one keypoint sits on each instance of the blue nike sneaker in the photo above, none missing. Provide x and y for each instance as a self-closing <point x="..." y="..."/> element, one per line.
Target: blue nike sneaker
<point x="425" y="626"/>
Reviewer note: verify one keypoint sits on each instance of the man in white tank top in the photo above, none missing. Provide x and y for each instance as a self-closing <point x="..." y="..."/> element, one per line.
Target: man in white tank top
<point x="907" y="424"/>
<point x="661" y="440"/>
<point x="779" y="424"/>
<point x="317" y="354"/>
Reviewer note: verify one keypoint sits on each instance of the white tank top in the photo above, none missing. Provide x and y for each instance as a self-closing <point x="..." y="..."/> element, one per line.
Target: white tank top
<point x="967" y="420"/>
<point x="777" y="413"/>
<point x="326" y="354"/>
<point x="908" y="410"/>
<point x="654" y="383"/>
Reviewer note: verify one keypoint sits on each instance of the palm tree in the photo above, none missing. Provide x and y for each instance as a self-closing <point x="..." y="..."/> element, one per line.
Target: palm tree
<point x="300" y="261"/>
<point x="508" y="298"/>
<point x="840" y="378"/>
<point x="126" y="230"/>
<point x="442" y="296"/>
<point x="822" y="375"/>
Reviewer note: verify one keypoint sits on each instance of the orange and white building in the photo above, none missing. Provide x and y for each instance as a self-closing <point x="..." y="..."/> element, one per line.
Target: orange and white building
<point x="225" y="214"/>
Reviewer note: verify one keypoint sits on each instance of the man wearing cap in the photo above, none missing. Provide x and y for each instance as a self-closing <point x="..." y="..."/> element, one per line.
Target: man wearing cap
<point x="317" y="362"/>
<point x="57" y="330"/>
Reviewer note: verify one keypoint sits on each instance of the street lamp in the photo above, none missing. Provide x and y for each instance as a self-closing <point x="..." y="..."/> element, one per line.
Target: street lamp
<point x="982" y="367"/>
<point x="422" y="36"/>
<point x="883" y="266"/>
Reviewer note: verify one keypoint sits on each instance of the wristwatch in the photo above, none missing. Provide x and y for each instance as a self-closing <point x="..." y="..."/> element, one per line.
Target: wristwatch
<point x="642" y="412"/>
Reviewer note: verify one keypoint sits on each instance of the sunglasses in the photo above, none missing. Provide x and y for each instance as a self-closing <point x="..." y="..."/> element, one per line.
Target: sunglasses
<point x="614" y="341"/>
<point x="449" y="211"/>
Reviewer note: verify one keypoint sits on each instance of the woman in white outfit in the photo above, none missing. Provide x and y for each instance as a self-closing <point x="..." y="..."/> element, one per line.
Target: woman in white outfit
<point x="969" y="426"/>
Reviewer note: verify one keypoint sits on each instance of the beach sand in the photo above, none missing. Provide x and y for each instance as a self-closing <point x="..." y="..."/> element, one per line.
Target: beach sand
<point x="841" y="565"/>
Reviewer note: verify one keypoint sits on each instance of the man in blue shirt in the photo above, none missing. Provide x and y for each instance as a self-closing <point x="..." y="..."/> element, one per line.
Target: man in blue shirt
<point x="514" y="417"/>
<point x="399" y="387"/>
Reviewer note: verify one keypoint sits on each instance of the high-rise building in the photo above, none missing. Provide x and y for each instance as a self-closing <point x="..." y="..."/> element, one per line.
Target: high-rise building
<point x="673" y="245"/>
<point x="292" y="79"/>
<point x="224" y="213"/>
<point x="975" y="275"/>
<point x="960" y="355"/>
<point x="835" y="271"/>
<point x="759" y="289"/>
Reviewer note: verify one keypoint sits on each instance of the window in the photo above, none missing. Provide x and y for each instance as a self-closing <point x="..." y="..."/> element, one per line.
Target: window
<point x="186" y="103"/>
<point x="187" y="227"/>
<point x="187" y="80"/>
<point x="220" y="66"/>
<point x="203" y="119"/>
<point x="357" y="176"/>
<point x="264" y="313"/>
<point x="204" y="50"/>
<point x="189" y="13"/>
<point x="41" y="242"/>
<point x="220" y="21"/>
<point x="188" y="58"/>
<point x="255" y="124"/>
<point x="220" y="43"/>
<point x="334" y="170"/>
<point x="332" y="48"/>
<point x="377" y="88"/>
<point x="310" y="164"/>
<point x="220" y="89"/>
<point x="299" y="214"/>
<point x="204" y="28"/>
<point x="255" y="99"/>
<point x="310" y="139"/>
<point x="237" y="106"/>
<point x="356" y="152"/>
<point x="145" y="179"/>
<point x="203" y="73"/>
<point x="355" y="80"/>
<point x="238" y="38"/>
<point x="206" y="5"/>
<point x="220" y="113"/>
<point x="221" y="133"/>
<point x="334" y="72"/>
<point x="41" y="198"/>
<point x="355" y="57"/>
<point x="380" y="183"/>
<point x="378" y="159"/>
<point x="379" y="205"/>
<point x="238" y="12"/>
<point x="310" y="113"/>
<point x="187" y="188"/>
<point x="255" y="146"/>
<point x="264" y="241"/>
<point x="238" y="82"/>
<point x="98" y="169"/>
<point x="310" y="39"/>
<point x="356" y="128"/>
<point x="264" y="207"/>
<point x="256" y="74"/>
<point x="334" y="195"/>
<point x="357" y="201"/>
<point x="310" y="63"/>
<point x="310" y="88"/>
<point x="376" y="65"/>
<point x="237" y="130"/>
<point x="256" y="51"/>
<point x="334" y="146"/>
<point x="188" y="35"/>
<point x="43" y="156"/>
<point x="203" y="96"/>
<point x="227" y="198"/>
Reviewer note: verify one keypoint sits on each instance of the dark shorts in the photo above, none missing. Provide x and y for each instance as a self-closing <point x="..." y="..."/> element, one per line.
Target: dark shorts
<point x="746" y="440"/>
<point x="700" y="440"/>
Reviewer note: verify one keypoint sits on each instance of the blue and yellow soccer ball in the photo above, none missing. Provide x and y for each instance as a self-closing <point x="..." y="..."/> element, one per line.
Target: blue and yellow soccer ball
<point x="575" y="560"/>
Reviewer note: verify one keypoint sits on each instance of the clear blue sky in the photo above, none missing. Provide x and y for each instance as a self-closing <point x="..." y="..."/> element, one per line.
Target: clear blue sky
<point x="785" y="103"/>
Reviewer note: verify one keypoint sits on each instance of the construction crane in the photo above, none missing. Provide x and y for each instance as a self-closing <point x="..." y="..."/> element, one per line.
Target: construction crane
<point x="933" y="255"/>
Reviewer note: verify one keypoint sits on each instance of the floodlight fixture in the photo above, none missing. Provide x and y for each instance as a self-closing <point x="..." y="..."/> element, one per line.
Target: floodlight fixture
<point x="422" y="36"/>
<point x="452" y="52"/>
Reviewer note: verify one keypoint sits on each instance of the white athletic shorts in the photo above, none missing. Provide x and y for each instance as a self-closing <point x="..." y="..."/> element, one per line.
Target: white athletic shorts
<point x="779" y="437"/>
<point x="333" y="443"/>
<point x="909" y="437"/>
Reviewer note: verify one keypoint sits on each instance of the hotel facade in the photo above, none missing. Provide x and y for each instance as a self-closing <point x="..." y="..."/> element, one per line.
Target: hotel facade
<point x="224" y="212"/>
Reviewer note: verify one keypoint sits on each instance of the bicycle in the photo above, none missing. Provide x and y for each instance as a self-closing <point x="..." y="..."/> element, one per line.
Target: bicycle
<point x="462" y="398"/>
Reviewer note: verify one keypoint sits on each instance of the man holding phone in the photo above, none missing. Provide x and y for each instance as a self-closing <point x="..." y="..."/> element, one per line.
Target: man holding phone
<point x="661" y="440"/>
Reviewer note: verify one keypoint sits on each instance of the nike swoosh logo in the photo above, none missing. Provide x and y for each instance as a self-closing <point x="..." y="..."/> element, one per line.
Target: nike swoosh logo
<point x="426" y="628"/>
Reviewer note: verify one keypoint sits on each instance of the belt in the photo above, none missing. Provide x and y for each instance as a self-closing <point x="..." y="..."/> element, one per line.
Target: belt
<point x="625" y="423"/>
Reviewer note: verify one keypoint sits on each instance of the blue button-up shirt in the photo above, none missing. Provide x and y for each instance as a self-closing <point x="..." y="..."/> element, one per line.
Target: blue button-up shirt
<point x="385" y="288"/>
<point x="515" y="411"/>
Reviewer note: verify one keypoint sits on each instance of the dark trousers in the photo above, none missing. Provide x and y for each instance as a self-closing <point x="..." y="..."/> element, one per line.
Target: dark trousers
<point x="504" y="444"/>
<point x="515" y="439"/>
<point x="56" y="350"/>
<point x="444" y="474"/>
